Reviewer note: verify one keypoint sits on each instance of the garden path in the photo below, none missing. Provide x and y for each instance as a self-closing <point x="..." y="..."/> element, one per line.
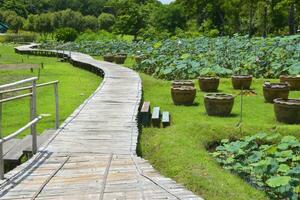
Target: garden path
<point x="93" y="154"/>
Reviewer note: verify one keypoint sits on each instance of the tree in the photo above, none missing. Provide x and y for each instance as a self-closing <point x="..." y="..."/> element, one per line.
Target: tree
<point x="106" y="21"/>
<point x="14" y="21"/>
<point x="169" y="17"/>
<point x="43" y="23"/>
<point x="90" y="22"/>
<point x="129" y="19"/>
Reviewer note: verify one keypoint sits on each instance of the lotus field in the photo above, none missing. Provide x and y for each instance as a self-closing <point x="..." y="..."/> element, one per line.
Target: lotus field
<point x="187" y="58"/>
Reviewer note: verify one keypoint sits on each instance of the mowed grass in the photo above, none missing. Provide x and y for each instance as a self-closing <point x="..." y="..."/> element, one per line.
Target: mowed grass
<point x="75" y="86"/>
<point x="180" y="151"/>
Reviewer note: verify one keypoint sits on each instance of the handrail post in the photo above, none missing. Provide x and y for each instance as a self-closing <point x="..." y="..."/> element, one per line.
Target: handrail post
<point x="56" y="106"/>
<point x="1" y="144"/>
<point x="33" y="116"/>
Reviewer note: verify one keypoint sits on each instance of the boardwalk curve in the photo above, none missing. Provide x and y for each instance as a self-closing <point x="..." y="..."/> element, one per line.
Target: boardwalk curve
<point x="93" y="154"/>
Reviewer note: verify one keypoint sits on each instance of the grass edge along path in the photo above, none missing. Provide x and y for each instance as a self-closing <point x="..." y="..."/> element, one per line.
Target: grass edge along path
<point x="75" y="86"/>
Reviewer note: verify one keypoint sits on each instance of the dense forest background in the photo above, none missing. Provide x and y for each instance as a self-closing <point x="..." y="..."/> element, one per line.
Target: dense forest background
<point x="150" y="18"/>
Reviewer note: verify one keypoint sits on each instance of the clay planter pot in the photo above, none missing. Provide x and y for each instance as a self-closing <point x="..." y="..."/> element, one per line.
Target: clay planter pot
<point x="138" y="59"/>
<point x="120" y="59"/>
<point x="293" y="81"/>
<point x="179" y="83"/>
<point x="109" y="58"/>
<point x="241" y="82"/>
<point x="275" y="90"/>
<point x="287" y="110"/>
<point x="218" y="104"/>
<point x="209" y="84"/>
<point x="184" y="95"/>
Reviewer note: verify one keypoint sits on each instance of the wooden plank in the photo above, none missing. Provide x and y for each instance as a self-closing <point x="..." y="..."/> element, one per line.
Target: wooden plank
<point x="15" y="154"/>
<point x="145" y="114"/>
<point x="156" y="117"/>
<point x="165" y="119"/>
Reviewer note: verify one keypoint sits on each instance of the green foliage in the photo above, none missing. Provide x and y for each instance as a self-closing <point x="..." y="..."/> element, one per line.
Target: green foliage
<point x="168" y="17"/>
<point x="66" y="34"/>
<point x="14" y="21"/>
<point x="265" y="162"/>
<point x="19" y="38"/>
<point x="185" y="58"/>
<point x="106" y="21"/>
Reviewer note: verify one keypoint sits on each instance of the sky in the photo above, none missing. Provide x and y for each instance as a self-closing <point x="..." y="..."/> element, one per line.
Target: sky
<point x="166" y="1"/>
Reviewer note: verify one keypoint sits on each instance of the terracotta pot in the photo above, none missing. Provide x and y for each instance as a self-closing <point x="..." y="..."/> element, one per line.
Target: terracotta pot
<point x="184" y="95"/>
<point x="287" y="110"/>
<point x="109" y="58"/>
<point x="218" y="104"/>
<point x="120" y="59"/>
<point x="179" y="83"/>
<point x="209" y="84"/>
<point x="138" y="59"/>
<point x="293" y="81"/>
<point x="241" y="82"/>
<point x="275" y="90"/>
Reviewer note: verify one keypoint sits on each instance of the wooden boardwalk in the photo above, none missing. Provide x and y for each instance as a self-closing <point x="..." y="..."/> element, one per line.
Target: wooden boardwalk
<point x="93" y="154"/>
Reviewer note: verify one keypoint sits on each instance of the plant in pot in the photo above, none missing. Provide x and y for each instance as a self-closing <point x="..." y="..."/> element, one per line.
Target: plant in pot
<point x="120" y="58"/>
<point x="241" y="79"/>
<point x="208" y="81"/>
<point x="275" y="90"/>
<point x="287" y="110"/>
<point x="109" y="57"/>
<point x="218" y="104"/>
<point x="183" y="92"/>
<point x="292" y="77"/>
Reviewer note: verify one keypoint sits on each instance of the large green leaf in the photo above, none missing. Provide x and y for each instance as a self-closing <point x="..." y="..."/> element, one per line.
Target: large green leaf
<point x="277" y="181"/>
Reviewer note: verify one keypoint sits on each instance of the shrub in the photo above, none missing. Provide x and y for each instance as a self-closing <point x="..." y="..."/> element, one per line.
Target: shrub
<point x="66" y="34"/>
<point x="20" y="38"/>
<point x="106" y="21"/>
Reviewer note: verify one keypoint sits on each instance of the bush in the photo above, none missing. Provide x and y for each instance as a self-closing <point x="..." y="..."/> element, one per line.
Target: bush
<point x="66" y="34"/>
<point x="20" y="38"/>
<point x="106" y="21"/>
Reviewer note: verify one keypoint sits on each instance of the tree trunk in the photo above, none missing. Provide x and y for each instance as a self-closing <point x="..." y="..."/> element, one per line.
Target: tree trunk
<point x="265" y="31"/>
<point x="251" y="13"/>
<point x="292" y="21"/>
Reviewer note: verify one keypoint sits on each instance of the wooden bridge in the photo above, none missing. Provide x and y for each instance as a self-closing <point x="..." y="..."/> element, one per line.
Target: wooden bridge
<point x="93" y="153"/>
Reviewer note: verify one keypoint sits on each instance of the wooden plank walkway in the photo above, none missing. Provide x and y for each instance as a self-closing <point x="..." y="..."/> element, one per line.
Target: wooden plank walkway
<point x="93" y="154"/>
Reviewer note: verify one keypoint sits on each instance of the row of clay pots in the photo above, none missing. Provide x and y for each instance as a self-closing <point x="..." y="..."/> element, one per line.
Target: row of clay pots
<point x="118" y="59"/>
<point x="211" y="84"/>
<point x="219" y="104"/>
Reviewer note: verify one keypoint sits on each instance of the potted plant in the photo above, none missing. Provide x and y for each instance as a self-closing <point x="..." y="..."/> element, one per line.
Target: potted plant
<point x="109" y="57"/>
<point x="292" y="80"/>
<point x="292" y="77"/>
<point x="184" y="95"/>
<point x="139" y="58"/>
<point x="183" y="92"/>
<point x="208" y="81"/>
<point x="287" y="110"/>
<point x="120" y="58"/>
<point x="275" y="90"/>
<point x="179" y="83"/>
<point x="241" y="79"/>
<point x="241" y="82"/>
<point x="218" y="104"/>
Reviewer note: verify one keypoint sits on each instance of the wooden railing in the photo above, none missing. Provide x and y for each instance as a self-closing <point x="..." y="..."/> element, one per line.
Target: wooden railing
<point x="5" y="89"/>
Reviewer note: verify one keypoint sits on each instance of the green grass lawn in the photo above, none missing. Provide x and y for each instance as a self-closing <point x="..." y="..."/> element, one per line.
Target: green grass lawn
<point x="179" y="151"/>
<point x="75" y="86"/>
